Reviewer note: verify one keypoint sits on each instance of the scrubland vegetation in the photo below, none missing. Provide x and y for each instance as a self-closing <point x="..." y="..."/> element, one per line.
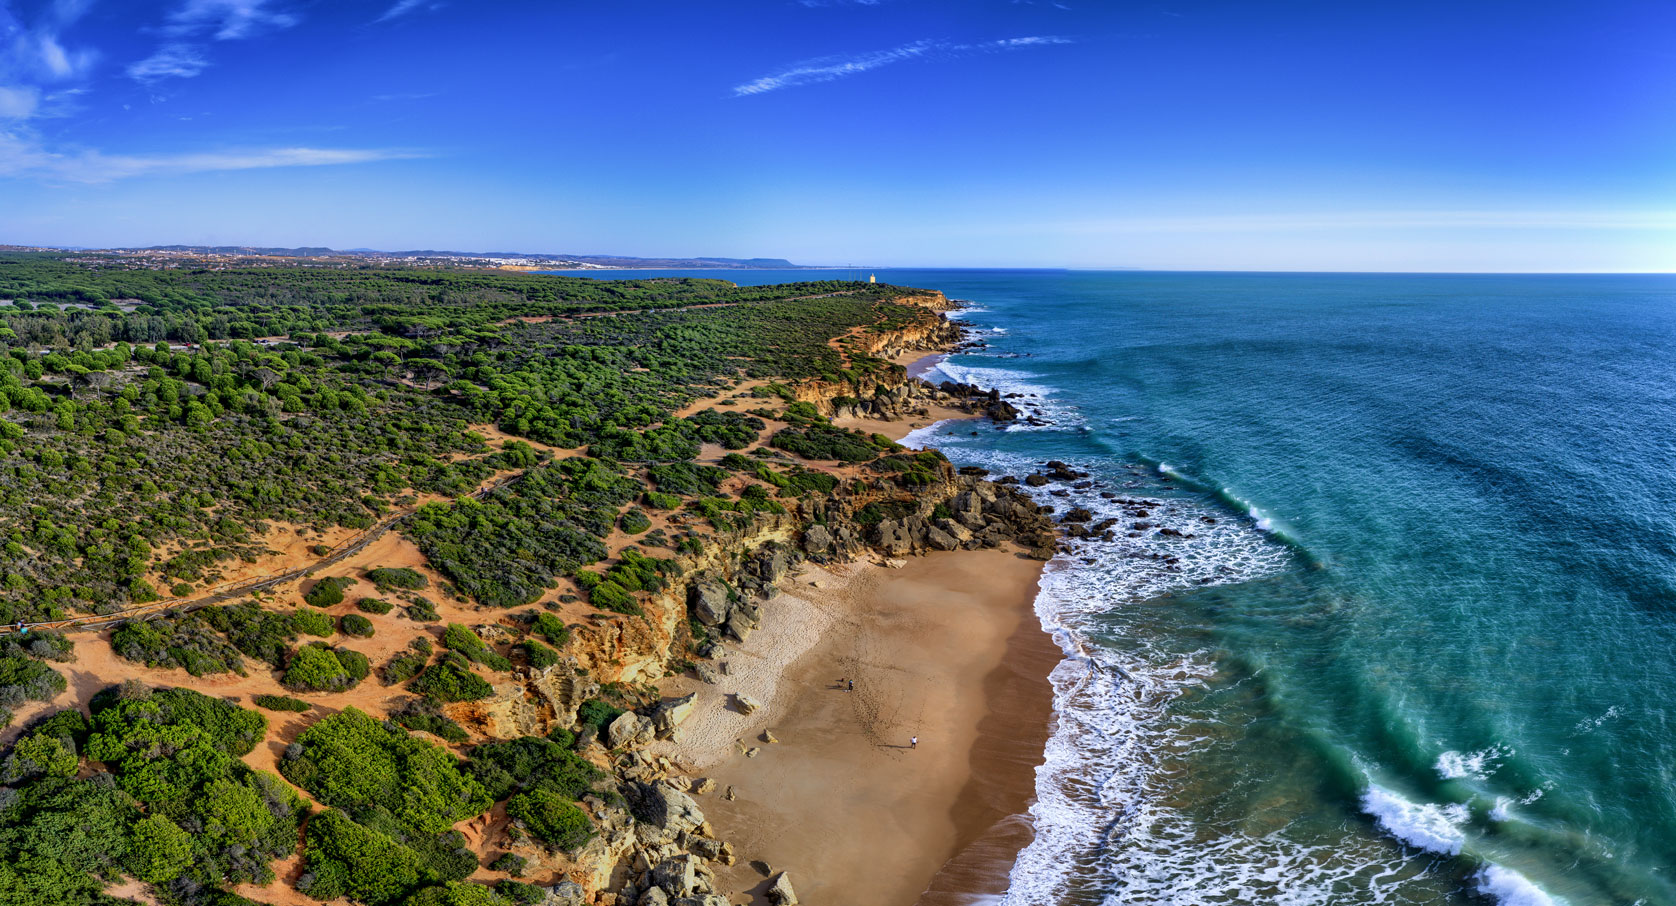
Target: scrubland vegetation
<point x="163" y="430"/>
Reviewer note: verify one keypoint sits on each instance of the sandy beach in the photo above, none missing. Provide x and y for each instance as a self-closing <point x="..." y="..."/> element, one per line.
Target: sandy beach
<point x="945" y="648"/>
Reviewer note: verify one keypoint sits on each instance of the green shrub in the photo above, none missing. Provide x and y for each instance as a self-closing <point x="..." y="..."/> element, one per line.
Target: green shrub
<point x="537" y="655"/>
<point x="458" y="893"/>
<point x="531" y="763"/>
<point x="281" y="703"/>
<point x="406" y="664"/>
<point x="327" y="592"/>
<point x="597" y="714"/>
<point x="421" y="610"/>
<point x="317" y="667"/>
<point x="551" y="818"/>
<point x="312" y="622"/>
<point x="521" y="894"/>
<point x="511" y="863"/>
<point x="611" y="596"/>
<point x="550" y="628"/>
<point x="661" y="501"/>
<point x="469" y="644"/>
<point x="186" y="641"/>
<point x="353" y="624"/>
<point x="375" y="605"/>
<point x="420" y="713"/>
<point x="344" y="859"/>
<point x="451" y="680"/>
<point x="397" y="577"/>
<point x="635" y="521"/>
<point x="378" y="773"/>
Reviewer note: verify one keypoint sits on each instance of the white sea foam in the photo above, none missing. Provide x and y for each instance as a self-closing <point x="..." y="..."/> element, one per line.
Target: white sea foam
<point x="1423" y="825"/>
<point x="1503" y="809"/>
<point x="1032" y="398"/>
<point x="1102" y="834"/>
<point x="1512" y="888"/>
<point x="1477" y="765"/>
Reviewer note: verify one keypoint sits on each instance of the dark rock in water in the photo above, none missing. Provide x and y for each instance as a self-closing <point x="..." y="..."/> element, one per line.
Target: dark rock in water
<point x="1060" y="493"/>
<point x="1141" y="526"/>
<point x="1108" y="495"/>
<point x="1077" y="514"/>
<point x="1208" y="520"/>
<point x="1007" y="479"/>
<point x="1173" y="533"/>
<point x="1083" y="485"/>
<point x="1102" y="525"/>
<point x="975" y="471"/>
<point x="1035" y="480"/>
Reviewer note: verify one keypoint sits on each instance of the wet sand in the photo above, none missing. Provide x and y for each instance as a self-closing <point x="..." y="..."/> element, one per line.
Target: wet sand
<point x="946" y="648"/>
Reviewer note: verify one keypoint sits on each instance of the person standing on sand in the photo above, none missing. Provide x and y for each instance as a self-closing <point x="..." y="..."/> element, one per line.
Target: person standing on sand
<point x="852" y="686"/>
<point x="913" y="742"/>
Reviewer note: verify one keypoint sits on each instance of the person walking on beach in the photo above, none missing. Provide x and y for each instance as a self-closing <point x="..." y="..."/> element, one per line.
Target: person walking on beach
<point x="913" y="742"/>
<point x="852" y="686"/>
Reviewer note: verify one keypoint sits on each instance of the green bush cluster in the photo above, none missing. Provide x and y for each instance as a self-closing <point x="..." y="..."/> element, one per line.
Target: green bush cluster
<point x="450" y="680"/>
<point x="825" y="442"/>
<point x="393" y="801"/>
<point x="328" y="592"/>
<point x="469" y="644"/>
<point x="374" y="605"/>
<point x="506" y="549"/>
<point x="173" y="804"/>
<point x="551" y="818"/>
<point x="406" y="664"/>
<point x="353" y="624"/>
<point x="421" y="713"/>
<point x="397" y="577"/>
<point x="281" y="703"/>
<point x="318" y="667"/>
<point x="550" y="628"/>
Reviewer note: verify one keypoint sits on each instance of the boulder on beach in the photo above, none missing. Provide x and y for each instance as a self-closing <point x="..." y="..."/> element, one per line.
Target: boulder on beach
<point x="781" y="894"/>
<point x="747" y="704"/>
<point x="709" y="602"/>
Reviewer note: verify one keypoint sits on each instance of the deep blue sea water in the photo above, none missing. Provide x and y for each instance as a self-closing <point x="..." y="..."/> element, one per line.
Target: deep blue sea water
<point x="1420" y="647"/>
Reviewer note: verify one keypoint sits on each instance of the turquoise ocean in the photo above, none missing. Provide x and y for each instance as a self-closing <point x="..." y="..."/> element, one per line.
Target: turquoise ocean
<point x="1411" y="637"/>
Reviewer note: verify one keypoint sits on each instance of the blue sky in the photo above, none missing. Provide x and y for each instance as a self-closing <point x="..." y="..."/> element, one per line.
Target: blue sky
<point x="1523" y="136"/>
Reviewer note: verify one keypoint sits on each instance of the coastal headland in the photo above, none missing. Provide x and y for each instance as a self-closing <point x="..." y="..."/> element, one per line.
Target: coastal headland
<point x="638" y="570"/>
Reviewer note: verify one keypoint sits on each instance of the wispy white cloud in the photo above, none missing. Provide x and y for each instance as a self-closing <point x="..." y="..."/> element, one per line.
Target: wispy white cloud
<point x="184" y="55"/>
<point x="226" y="20"/>
<point x="23" y="155"/>
<point x="403" y="7"/>
<point x="827" y="69"/>
<point x="171" y="61"/>
<point x="20" y="102"/>
<point x="33" y="57"/>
